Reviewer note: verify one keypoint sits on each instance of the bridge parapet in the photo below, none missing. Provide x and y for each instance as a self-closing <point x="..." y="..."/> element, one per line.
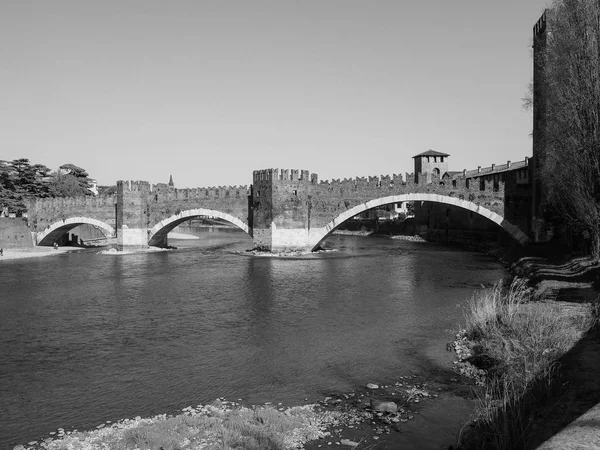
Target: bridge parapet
<point x="286" y="208"/>
<point x="44" y="214"/>
<point x="146" y="213"/>
<point x="161" y="191"/>
<point x="283" y="209"/>
<point x="397" y="182"/>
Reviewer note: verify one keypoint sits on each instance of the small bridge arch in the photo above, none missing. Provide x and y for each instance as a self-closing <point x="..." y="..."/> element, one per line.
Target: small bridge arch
<point x="320" y="234"/>
<point x="157" y="235"/>
<point x="55" y="231"/>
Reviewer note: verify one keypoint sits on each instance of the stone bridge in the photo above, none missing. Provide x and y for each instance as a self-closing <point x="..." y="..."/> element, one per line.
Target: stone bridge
<point x="282" y="210"/>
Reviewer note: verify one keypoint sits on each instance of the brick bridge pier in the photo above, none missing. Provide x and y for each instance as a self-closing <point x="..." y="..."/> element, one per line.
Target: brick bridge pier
<point x="283" y="210"/>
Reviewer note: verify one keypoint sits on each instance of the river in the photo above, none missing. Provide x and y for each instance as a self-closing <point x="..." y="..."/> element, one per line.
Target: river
<point x="87" y="337"/>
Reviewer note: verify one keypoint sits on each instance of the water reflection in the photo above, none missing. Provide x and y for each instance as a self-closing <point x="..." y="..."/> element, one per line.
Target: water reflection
<point x="88" y="337"/>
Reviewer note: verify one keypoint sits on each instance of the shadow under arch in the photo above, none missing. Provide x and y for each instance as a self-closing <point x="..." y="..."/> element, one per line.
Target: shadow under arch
<point x="55" y="231"/>
<point x="317" y="236"/>
<point x="158" y="233"/>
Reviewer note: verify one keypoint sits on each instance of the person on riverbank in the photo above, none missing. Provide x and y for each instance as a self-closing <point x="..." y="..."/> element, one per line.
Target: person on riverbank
<point x="55" y="246"/>
<point x="1" y="252"/>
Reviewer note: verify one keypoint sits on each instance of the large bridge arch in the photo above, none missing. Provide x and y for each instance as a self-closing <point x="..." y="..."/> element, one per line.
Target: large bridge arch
<point x="318" y="235"/>
<point x="55" y="231"/>
<point x="158" y="233"/>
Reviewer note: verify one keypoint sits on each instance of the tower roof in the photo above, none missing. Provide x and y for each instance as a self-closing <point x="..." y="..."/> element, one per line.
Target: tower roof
<point x="171" y="180"/>
<point x="431" y="153"/>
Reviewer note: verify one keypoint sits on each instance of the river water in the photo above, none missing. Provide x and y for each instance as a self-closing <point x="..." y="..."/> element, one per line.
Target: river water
<point x="88" y="337"/>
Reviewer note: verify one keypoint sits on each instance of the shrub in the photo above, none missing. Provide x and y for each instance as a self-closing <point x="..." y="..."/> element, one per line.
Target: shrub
<point x="511" y="345"/>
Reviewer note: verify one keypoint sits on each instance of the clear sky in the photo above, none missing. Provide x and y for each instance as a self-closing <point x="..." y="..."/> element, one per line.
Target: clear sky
<point x="209" y="91"/>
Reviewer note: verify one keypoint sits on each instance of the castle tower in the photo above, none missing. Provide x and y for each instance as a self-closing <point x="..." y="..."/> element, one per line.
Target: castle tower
<point x="281" y="209"/>
<point x="171" y="184"/>
<point x="431" y="163"/>
<point x="540" y="111"/>
<point x="132" y="214"/>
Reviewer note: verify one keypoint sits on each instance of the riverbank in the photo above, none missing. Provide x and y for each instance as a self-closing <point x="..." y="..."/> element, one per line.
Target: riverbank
<point x="36" y="252"/>
<point x="352" y="233"/>
<point x="177" y="235"/>
<point x="375" y="416"/>
<point x="40" y="252"/>
<point x="400" y="237"/>
<point x="522" y="344"/>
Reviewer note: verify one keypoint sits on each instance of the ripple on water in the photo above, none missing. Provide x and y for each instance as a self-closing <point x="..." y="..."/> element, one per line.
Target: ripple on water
<point x="88" y="339"/>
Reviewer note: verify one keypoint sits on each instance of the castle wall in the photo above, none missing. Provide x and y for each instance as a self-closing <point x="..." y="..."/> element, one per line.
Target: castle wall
<point x="46" y="212"/>
<point x="540" y="122"/>
<point x="14" y="233"/>
<point x="292" y="209"/>
<point x="281" y="208"/>
<point x="141" y="207"/>
<point x="330" y="199"/>
<point x="285" y="209"/>
<point x="518" y="186"/>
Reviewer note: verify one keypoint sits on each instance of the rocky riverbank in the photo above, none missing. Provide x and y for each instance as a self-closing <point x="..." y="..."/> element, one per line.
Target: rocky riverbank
<point x="352" y="233"/>
<point x="402" y="237"/>
<point x="381" y="416"/>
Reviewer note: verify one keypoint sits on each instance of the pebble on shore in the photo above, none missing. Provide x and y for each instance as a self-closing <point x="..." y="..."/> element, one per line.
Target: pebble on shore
<point x="331" y="417"/>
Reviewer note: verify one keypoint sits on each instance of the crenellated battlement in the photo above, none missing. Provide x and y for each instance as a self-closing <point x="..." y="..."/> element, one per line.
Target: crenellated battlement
<point x="284" y="208"/>
<point x="397" y="181"/>
<point x="540" y="25"/>
<point x="83" y="201"/>
<point x="284" y="175"/>
<point x="200" y="193"/>
<point x="495" y="170"/>
<point x="134" y="186"/>
<point x="374" y="181"/>
<point x="162" y="191"/>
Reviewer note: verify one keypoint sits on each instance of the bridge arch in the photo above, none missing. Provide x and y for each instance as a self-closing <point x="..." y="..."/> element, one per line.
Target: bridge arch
<point x="158" y="233"/>
<point x="320" y="234"/>
<point x="55" y="231"/>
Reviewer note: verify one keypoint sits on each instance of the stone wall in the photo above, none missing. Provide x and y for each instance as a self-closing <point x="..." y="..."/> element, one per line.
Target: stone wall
<point x="166" y="201"/>
<point x="332" y="198"/>
<point x="281" y="208"/>
<point x="45" y="212"/>
<point x="284" y="209"/>
<point x="14" y="233"/>
<point x="146" y="213"/>
<point x="293" y="210"/>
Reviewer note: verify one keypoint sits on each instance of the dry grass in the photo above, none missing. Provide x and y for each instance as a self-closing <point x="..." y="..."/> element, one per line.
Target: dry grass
<point x="212" y="427"/>
<point x="517" y="343"/>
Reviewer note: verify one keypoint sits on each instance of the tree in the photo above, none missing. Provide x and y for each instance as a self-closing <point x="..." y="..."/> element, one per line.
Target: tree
<point x="19" y="181"/>
<point x="70" y="181"/>
<point x="107" y="190"/>
<point x="570" y="70"/>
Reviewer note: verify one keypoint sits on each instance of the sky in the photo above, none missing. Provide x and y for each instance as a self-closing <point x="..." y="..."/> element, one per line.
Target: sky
<point x="208" y="91"/>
